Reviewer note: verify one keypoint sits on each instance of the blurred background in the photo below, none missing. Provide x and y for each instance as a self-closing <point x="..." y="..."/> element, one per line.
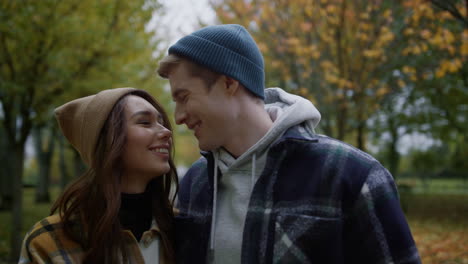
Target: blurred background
<point x="389" y="77"/>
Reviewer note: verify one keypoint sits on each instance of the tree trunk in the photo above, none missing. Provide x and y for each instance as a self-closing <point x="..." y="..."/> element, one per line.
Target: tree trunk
<point x="64" y="177"/>
<point x="17" y="152"/>
<point x="6" y="182"/>
<point x="341" y="121"/>
<point x="44" y="156"/>
<point x="393" y="154"/>
<point x="6" y="179"/>
<point x="361" y="130"/>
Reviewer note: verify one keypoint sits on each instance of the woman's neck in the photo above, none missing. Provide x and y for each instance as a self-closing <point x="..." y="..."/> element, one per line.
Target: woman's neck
<point x="133" y="184"/>
<point x="136" y="212"/>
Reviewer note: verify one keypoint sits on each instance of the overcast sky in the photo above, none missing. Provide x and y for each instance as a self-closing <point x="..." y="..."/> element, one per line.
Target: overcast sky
<point x="181" y="17"/>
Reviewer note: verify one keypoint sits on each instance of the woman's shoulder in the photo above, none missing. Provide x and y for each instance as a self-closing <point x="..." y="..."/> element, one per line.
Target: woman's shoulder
<point x="48" y="231"/>
<point x="46" y="225"/>
<point x="47" y="240"/>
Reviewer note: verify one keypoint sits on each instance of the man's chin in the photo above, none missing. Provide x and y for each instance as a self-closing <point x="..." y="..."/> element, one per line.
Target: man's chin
<point x="203" y="147"/>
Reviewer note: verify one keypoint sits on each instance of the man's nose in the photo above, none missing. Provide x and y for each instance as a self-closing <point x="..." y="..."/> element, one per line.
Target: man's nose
<point x="180" y="115"/>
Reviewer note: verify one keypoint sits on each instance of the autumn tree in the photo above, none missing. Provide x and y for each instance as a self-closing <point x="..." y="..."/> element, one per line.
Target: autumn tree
<point x="52" y="51"/>
<point x="437" y="71"/>
<point x="330" y="51"/>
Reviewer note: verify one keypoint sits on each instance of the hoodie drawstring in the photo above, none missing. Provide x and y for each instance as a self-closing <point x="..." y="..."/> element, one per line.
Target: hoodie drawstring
<point x="215" y="192"/>
<point x="252" y="182"/>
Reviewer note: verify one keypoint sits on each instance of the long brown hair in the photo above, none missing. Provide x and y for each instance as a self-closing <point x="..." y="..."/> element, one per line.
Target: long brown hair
<point x="94" y="198"/>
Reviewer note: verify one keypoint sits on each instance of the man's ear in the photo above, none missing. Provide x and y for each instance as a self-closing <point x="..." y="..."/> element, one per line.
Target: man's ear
<point x="231" y="85"/>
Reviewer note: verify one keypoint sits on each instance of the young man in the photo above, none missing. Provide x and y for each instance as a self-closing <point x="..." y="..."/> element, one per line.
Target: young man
<point x="268" y="189"/>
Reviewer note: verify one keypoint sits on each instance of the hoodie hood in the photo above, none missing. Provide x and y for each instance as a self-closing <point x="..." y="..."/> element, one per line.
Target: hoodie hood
<point x="288" y="110"/>
<point x="285" y="110"/>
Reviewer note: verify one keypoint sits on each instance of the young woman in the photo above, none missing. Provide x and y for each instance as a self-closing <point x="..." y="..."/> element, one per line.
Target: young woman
<point x="119" y="211"/>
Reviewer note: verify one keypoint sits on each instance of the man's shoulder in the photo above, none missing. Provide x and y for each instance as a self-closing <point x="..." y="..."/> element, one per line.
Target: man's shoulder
<point x="322" y="146"/>
<point x="193" y="184"/>
<point x="335" y="146"/>
<point x="198" y="168"/>
<point x="197" y="173"/>
<point x="332" y="157"/>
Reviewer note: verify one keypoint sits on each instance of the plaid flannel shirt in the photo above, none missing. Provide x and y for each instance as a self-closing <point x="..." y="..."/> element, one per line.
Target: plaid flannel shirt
<point x="318" y="200"/>
<point x="46" y="242"/>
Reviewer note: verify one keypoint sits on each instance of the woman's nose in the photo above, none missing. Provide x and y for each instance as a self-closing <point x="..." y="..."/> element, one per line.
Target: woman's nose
<point x="164" y="133"/>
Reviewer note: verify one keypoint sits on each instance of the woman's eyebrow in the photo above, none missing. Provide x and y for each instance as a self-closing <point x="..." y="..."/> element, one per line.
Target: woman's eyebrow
<point x="149" y="113"/>
<point x="143" y="112"/>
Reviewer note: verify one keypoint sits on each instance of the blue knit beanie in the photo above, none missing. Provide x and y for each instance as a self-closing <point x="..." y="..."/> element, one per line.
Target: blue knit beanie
<point x="228" y="50"/>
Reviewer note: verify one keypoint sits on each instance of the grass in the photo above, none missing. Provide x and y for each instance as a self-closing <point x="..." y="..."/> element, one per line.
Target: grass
<point x="445" y="186"/>
<point x="438" y="221"/>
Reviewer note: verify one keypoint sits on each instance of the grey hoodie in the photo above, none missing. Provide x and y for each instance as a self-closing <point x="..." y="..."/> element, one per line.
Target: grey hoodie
<point x="232" y="193"/>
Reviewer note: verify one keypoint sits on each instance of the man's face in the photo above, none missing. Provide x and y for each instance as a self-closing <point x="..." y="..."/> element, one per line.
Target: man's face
<point x="204" y="111"/>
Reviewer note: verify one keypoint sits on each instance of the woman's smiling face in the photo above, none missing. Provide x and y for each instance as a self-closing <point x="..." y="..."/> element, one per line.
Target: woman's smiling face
<point x="148" y="142"/>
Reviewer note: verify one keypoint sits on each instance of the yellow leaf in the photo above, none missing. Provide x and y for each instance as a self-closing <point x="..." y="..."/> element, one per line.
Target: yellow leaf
<point x="366" y="26"/>
<point x="364" y="16"/>
<point x="450" y="49"/>
<point x="315" y="54"/>
<point x="406" y="51"/>
<point x="371" y="53"/>
<point x="382" y="91"/>
<point x="465" y="34"/>
<point x="387" y="37"/>
<point x="417" y="50"/>
<point x="387" y="13"/>
<point x="437" y="40"/>
<point x="263" y="47"/>
<point x="363" y="36"/>
<point x="275" y="64"/>
<point x="331" y="9"/>
<point x="293" y="41"/>
<point x="425" y="34"/>
<point x="448" y="36"/>
<point x="408" y="32"/>
<point x="464" y="49"/>
<point x="401" y="83"/>
<point x="409" y="70"/>
<point x="454" y="65"/>
<point x="331" y="78"/>
<point x="326" y="64"/>
<point x="306" y="26"/>
<point x="424" y="47"/>
<point x="342" y="83"/>
<point x="440" y="73"/>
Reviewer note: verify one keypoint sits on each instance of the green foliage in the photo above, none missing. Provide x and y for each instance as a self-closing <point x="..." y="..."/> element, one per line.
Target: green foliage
<point x="59" y="50"/>
<point x="53" y="51"/>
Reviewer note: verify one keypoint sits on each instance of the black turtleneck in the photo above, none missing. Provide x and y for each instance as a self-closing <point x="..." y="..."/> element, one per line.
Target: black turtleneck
<point x="136" y="213"/>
